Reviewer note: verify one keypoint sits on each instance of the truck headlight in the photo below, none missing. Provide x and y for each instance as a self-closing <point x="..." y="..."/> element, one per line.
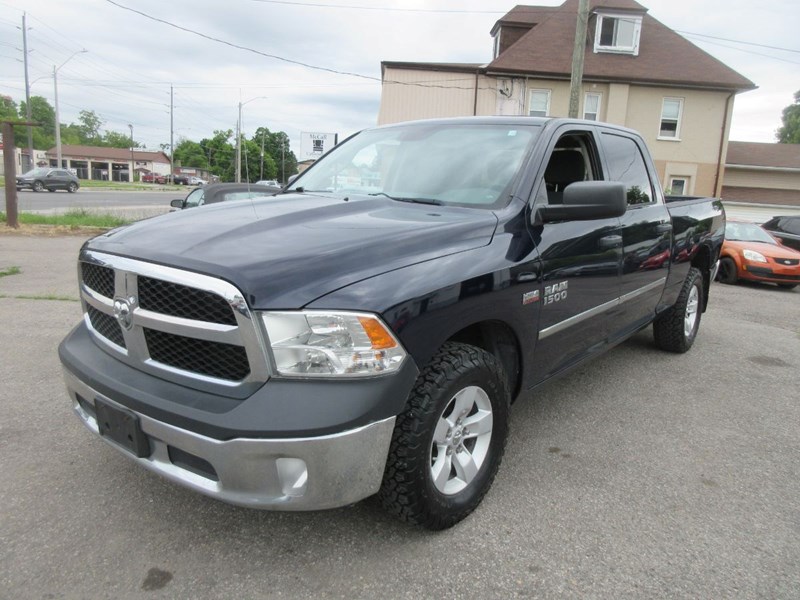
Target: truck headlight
<point x="327" y="343"/>
<point x="754" y="256"/>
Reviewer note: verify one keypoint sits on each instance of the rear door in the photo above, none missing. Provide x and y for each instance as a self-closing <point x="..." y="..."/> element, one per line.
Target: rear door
<point x="580" y="260"/>
<point x="646" y="232"/>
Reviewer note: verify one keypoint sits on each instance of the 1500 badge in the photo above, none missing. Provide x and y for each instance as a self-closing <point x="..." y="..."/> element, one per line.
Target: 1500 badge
<point x="556" y="292"/>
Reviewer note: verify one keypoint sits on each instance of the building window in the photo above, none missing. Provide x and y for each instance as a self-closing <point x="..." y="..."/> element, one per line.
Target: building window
<point x="618" y="33"/>
<point x="679" y="186"/>
<point x="671" y="110"/>
<point x="591" y="106"/>
<point x="539" y="105"/>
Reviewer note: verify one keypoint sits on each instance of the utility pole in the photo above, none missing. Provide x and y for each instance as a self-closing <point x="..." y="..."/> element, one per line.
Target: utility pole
<point x="133" y="164"/>
<point x="578" y="53"/>
<point x="261" y="177"/>
<point x="27" y="89"/>
<point x="239" y="142"/>
<point x="171" y="133"/>
<point x="58" y="119"/>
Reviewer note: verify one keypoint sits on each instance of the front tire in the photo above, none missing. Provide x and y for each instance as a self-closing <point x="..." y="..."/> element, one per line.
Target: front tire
<point x="727" y="271"/>
<point x="72" y="187"/>
<point x="787" y="286"/>
<point x="448" y="442"/>
<point x="676" y="329"/>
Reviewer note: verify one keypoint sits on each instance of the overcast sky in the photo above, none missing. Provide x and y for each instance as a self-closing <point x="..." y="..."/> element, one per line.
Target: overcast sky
<point x="131" y="60"/>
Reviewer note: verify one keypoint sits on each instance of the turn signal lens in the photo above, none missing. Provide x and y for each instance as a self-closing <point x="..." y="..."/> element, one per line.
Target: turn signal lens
<point x="322" y="343"/>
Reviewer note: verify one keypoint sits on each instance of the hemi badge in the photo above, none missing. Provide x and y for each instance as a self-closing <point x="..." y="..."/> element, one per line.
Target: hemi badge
<point x="530" y="297"/>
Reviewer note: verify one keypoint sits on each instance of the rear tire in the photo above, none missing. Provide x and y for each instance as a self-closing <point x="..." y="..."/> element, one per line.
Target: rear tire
<point x="787" y="286"/>
<point x="38" y="186"/>
<point x="676" y="329"/>
<point x="727" y="271"/>
<point x="448" y="442"/>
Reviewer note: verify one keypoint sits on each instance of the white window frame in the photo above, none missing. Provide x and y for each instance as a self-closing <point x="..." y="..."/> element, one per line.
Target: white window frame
<point x="530" y="97"/>
<point x="496" y="45"/>
<point x="637" y="32"/>
<point x="686" y="185"/>
<point x="599" y="104"/>
<point x="677" y="136"/>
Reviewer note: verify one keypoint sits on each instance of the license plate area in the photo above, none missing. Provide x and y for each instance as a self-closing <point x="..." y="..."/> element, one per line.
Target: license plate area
<point x="121" y="426"/>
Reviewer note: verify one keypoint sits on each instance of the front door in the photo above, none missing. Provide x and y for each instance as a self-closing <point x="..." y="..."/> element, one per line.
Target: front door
<point x="580" y="262"/>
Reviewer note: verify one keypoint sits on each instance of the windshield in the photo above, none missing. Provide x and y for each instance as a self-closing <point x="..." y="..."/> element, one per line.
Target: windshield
<point x="36" y="173"/>
<point x="747" y="232"/>
<point x="450" y="163"/>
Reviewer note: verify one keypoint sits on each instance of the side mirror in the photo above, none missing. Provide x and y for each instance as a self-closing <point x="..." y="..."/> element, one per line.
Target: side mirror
<point x="177" y="203"/>
<point x="587" y="200"/>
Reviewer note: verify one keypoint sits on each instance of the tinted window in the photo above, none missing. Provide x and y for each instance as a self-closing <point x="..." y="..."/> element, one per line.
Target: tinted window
<point x="626" y="164"/>
<point x="791" y="225"/>
<point x="195" y="198"/>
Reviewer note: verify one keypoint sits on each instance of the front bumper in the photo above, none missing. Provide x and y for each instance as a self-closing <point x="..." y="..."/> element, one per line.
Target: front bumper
<point x="288" y="445"/>
<point x="280" y="474"/>
<point x="773" y="273"/>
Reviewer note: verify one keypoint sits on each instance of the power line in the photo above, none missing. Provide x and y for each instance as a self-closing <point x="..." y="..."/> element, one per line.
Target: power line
<point x="738" y="41"/>
<point x="239" y="47"/>
<point x="794" y="62"/>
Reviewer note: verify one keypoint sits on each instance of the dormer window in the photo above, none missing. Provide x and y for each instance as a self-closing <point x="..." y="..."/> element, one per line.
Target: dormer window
<point x="618" y="33"/>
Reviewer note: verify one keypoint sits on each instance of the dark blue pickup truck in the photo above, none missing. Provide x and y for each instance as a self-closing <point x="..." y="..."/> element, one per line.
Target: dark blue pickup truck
<point x="365" y="331"/>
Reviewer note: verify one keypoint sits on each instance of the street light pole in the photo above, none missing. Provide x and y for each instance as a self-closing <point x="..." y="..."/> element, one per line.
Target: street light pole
<point x="58" y="119"/>
<point x="239" y="138"/>
<point x="132" y="163"/>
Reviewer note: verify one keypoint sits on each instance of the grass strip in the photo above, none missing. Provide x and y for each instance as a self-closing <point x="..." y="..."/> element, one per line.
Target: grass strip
<point x="10" y="271"/>
<point x="73" y="218"/>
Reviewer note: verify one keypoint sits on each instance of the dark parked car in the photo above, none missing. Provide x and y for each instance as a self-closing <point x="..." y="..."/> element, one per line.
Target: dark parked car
<point x="786" y="229"/>
<point x="219" y="192"/>
<point x="48" y="179"/>
<point x="180" y="179"/>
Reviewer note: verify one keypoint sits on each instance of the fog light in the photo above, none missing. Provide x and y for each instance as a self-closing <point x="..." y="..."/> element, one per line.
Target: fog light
<point x="293" y="474"/>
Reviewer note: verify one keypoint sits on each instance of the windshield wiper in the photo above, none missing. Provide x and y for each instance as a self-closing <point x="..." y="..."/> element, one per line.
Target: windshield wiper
<point x="412" y="200"/>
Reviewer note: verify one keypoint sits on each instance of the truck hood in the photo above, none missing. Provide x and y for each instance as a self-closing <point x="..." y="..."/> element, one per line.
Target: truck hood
<point x="285" y="251"/>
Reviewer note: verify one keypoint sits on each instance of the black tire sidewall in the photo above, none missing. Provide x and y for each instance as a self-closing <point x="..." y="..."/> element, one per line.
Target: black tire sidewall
<point x="71" y="188"/>
<point x="728" y="272"/>
<point x="37" y="186"/>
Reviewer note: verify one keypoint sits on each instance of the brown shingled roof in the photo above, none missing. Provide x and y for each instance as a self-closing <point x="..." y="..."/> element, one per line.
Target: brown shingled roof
<point x="665" y="58"/>
<point x="103" y="153"/>
<point x="757" y="154"/>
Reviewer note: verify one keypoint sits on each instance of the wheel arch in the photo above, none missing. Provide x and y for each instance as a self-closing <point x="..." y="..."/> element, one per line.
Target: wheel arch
<point x="499" y="339"/>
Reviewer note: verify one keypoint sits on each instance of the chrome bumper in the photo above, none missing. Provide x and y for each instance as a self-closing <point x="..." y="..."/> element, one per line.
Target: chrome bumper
<point x="274" y="474"/>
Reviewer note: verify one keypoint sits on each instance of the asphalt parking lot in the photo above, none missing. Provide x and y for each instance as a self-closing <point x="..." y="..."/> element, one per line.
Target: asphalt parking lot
<point x="640" y="475"/>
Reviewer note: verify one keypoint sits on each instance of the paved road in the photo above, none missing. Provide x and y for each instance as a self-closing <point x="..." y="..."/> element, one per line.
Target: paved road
<point x="641" y="475"/>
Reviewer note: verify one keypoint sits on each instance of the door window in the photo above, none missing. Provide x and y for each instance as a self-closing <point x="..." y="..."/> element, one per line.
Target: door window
<point x="626" y="164"/>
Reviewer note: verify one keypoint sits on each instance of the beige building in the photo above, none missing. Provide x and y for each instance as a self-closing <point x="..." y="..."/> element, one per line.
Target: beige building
<point x="762" y="173"/>
<point x="637" y="73"/>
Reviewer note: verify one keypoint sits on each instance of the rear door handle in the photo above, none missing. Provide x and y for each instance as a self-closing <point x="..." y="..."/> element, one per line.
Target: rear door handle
<point x="663" y="227"/>
<point x="610" y="241"/>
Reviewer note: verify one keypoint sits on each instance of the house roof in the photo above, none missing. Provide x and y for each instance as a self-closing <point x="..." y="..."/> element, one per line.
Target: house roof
<point x="756" y="154"/>
<point x="103" y="153"/>
<point x="665" y="58"/>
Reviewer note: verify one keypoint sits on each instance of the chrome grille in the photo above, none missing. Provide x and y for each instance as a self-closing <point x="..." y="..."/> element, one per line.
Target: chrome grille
<point x="214" y="359"/>
<point x="106" y="325"/>
<point x="183" y="301"/>
<point x="100" y="279"/>
<point x="181" y="326"/>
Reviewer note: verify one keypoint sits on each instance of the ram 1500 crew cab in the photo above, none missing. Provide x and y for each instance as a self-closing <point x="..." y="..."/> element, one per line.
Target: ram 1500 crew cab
<point x="365" y="331"/>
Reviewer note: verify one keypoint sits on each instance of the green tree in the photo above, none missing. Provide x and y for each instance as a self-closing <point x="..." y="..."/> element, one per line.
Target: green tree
<point x="44" y="136"/>
<point x="221" y="154"/>
<point x="789" y="133"/>
<point x="89" y="124"/>
<point x="276" y="145"/>
<point x="191" y="154"/>
<point x="8" y="108"/>
<point x="115" y="139"/>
